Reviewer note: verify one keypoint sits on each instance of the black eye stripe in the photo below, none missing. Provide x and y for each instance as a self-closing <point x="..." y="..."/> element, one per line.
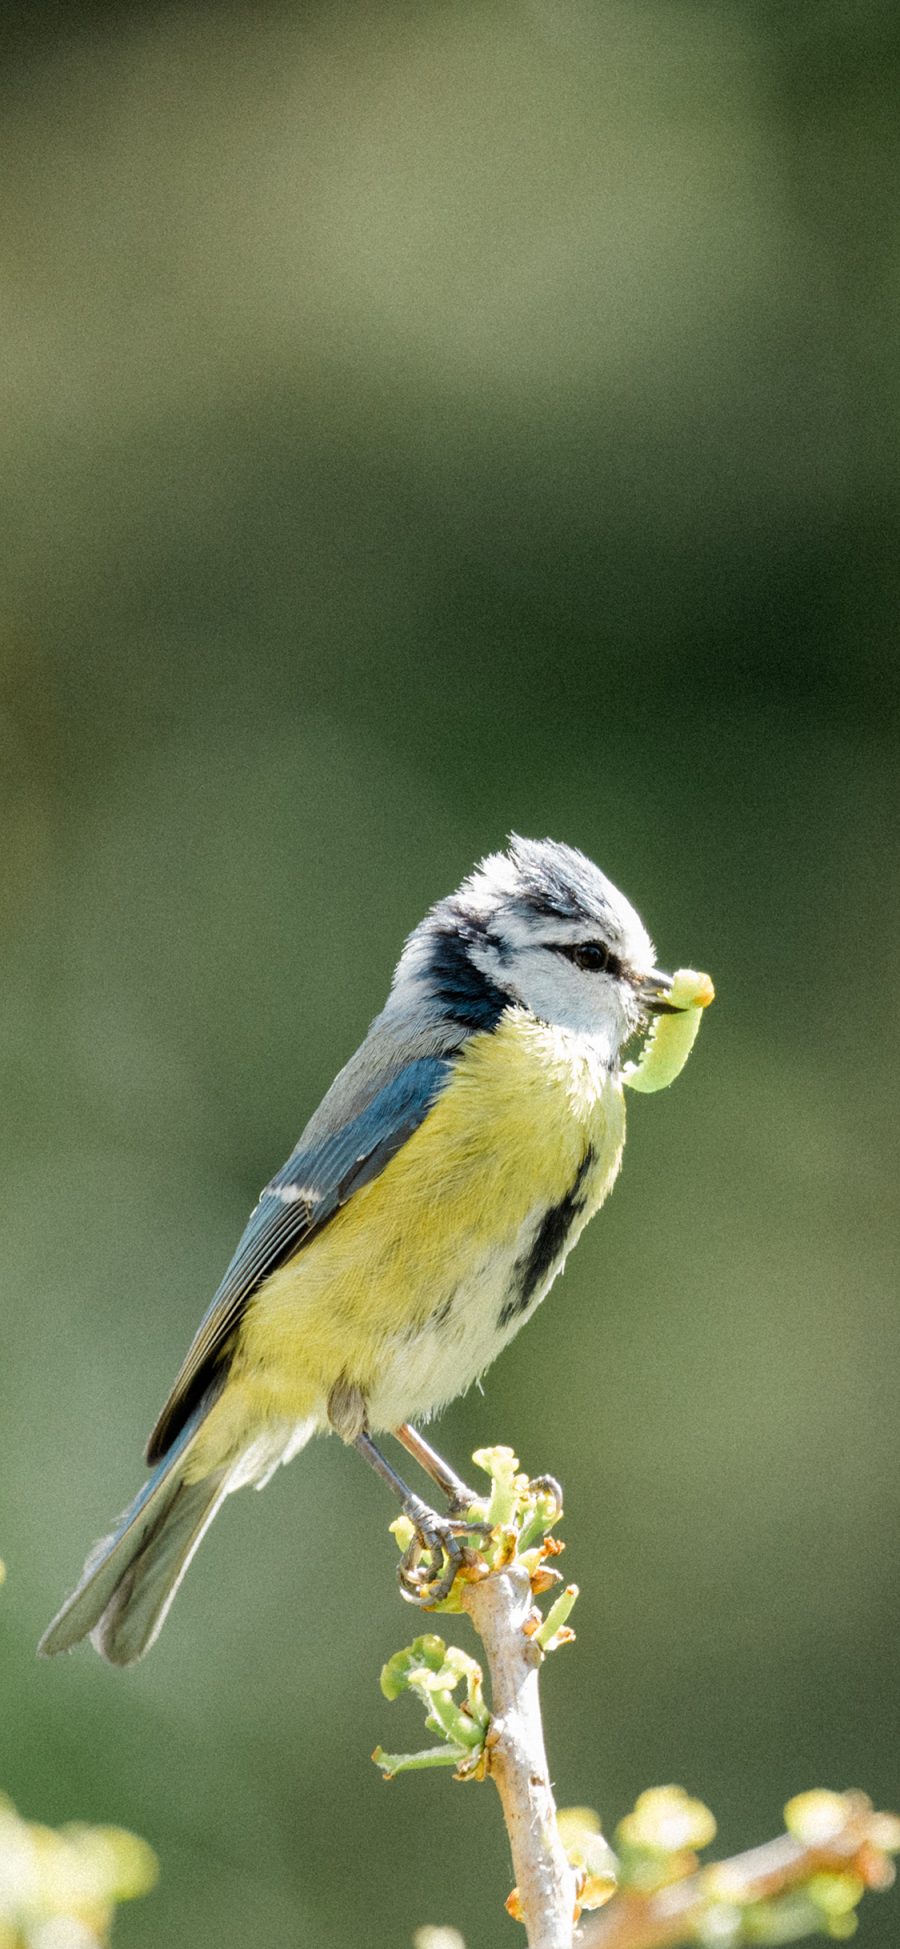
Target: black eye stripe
<point x="594" y="957"/>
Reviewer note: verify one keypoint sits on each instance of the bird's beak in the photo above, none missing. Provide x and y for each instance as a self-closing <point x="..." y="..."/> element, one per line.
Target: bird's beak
<point x="657" y="991"/>
<point x="654" y="990"/>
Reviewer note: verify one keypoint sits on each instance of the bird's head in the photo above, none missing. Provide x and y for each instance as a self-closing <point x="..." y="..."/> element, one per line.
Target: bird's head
<point x="541" y="927"/>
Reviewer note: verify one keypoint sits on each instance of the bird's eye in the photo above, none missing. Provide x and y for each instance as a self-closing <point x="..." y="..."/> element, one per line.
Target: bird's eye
<point x="593" y="956"/>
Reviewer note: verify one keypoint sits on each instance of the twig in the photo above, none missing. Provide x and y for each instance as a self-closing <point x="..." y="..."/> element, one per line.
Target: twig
<point x="500" y="1606"/>
<point x="670" y="1915"/>
<point x="808" y="1881"/>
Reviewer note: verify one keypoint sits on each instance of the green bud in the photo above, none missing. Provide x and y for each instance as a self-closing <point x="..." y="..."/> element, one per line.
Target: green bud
<point x="425" y="1653"/>
<point x="816" y="1817"/>
<point x="430" y="1756"/>
<point x="666" y="1820"/>
<point x="553" y="1631"/>
<point x="836" y="1893"/>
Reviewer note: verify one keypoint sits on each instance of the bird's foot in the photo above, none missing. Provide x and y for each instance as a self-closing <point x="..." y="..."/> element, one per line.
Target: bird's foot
<point x="547" y="1485"/>
<point x="437" y="1552"/>
<point x="461" y="1501"/>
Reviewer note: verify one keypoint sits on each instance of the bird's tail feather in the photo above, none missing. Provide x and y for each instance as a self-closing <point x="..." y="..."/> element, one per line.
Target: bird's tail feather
<point x="131" y="1577"/>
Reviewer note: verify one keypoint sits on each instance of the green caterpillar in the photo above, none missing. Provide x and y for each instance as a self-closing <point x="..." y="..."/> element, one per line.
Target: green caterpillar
<point x="671" y="1037"/>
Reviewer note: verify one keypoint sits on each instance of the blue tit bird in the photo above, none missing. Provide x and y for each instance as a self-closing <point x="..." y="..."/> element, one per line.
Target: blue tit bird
<point x="424" y="1214"/>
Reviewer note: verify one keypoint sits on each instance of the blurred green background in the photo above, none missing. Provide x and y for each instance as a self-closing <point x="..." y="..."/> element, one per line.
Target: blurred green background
<point x="423" y="420"/>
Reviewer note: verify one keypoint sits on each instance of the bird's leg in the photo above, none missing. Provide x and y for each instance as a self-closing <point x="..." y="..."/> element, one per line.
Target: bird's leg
<point x="459" y="1496"/>
<point x="450" y="1484"/>
<point x="437" y="1537"/>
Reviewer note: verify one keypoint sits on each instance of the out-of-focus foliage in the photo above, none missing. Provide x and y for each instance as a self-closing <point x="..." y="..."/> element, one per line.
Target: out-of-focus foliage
<point x="590" y="1855"/>
<point x="420" y="421"/>
<point x="655" y="1888"/>
<point x="772" y="1895"/>
<point x="658" y="1841"/>
<point x="59" y="1888"/>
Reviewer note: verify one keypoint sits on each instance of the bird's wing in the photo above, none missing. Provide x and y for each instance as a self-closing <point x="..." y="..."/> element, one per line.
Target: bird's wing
<point x="302" y="1196"/>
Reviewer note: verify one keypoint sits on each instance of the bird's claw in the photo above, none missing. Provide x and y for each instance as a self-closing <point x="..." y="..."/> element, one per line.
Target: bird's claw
<point x="460" y="1503"/>
<point x="429" y="1565"/>
<point x="547" y="1485"/>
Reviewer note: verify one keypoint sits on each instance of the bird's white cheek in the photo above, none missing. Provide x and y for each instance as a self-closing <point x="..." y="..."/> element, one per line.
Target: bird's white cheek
<point x="585" y="1004"/>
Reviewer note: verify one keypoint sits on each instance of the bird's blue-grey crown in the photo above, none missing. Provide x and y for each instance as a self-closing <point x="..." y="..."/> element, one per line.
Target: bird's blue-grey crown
<point x="539" y="926"/>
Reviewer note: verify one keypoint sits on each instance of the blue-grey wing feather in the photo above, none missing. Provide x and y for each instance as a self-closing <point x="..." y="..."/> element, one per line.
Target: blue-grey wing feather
<point x="313" y="1184"/>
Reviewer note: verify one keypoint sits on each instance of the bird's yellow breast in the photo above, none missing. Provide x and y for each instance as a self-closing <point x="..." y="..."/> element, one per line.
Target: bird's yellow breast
<point x="413" y="1287"/>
